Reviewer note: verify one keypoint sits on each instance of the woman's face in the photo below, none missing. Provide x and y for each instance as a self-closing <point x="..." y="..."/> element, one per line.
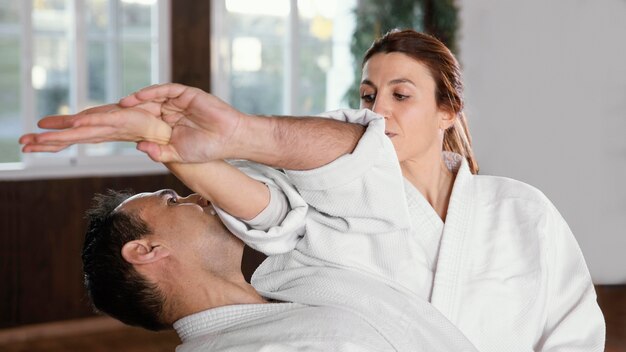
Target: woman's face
<point x="402" y="90"/>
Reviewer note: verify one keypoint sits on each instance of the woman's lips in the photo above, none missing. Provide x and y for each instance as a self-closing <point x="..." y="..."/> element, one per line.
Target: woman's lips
<point x="390" y="134"/>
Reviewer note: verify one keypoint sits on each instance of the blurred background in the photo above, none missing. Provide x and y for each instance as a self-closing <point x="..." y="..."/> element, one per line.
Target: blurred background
<point x="545" y="96"/>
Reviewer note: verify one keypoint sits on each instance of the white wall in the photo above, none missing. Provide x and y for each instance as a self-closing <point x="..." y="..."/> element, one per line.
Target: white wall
<point x="546" y="97"/>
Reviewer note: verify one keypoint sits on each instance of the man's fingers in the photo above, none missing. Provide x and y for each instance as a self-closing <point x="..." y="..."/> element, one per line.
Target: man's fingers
<point x="34" y="148"/>
<point x="28" y="138"/>
<point x="86" y="134"/>
<point x="100" y="119"/>
<point x="56" y="122"/>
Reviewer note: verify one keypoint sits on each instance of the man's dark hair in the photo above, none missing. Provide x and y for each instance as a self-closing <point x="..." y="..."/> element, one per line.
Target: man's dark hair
<point x="114" y="286"/>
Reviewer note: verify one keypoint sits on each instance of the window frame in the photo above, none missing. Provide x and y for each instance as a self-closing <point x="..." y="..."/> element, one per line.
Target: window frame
<point x="79" y="163"/>
<point x="292" y="91"/>
<point x="291" y="55"/>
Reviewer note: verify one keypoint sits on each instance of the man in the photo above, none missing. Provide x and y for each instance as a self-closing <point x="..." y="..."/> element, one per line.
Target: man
<point x="157" y="260"/>
<point x="166" y="254"/>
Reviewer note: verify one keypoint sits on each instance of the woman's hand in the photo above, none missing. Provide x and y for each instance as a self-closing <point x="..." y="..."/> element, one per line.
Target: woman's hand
<point x="204" y="128"/>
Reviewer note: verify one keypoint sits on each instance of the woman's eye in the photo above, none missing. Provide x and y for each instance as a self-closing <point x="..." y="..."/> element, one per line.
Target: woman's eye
<point x="172" y="200"/>
<point x="368" y="98"/>
<point x="399" y="96"/>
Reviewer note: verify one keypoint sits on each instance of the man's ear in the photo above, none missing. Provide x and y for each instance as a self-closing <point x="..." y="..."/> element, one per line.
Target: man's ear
<point x="143" y="252"/>
<point x="446" y="119"/>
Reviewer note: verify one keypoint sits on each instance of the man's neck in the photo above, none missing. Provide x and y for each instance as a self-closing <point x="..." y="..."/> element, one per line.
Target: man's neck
<point x="209" y="292"/>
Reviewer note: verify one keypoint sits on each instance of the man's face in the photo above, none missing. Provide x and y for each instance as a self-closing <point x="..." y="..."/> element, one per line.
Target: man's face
<point x="188" y="226"/>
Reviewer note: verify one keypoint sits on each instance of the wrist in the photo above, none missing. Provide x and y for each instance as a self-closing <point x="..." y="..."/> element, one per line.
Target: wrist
<point x="254" y="140"/>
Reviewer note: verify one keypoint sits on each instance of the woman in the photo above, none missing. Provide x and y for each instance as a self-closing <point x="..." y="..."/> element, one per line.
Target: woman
<point x="492" y="254"/>
<point x="503" y="264"/>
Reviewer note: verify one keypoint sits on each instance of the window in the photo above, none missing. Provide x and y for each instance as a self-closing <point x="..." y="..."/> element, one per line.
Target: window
<point x="282" y="56"/>
<point x="61" y="56"/>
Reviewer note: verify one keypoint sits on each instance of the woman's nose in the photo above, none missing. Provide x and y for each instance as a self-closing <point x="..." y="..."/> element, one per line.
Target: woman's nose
<point x="381" y="108"/>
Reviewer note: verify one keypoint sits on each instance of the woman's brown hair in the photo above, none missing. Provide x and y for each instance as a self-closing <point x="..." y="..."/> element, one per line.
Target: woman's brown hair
<point x="446" y="72"/>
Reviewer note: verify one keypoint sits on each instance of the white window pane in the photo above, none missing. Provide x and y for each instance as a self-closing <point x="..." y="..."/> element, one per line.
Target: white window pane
<point x="101" y="49"/>
<point x="136" y="65"/>
<point x="256" y="50"/>
<point x="325" y="67"/>
<point x="131" y="67"/>
<point x="99" y="78"/>
<point x="100" y="52"/>
<point x="97" y="17"/>
<point x="9" y="12"/>
<point x="50" y="75"/>
<point x="51" y="15"/>
<point x="10" y="99"/>
<point x="136" y="17"/>
<point x="50" y="72"/>
<point x="277" y="8"/>
<point x="254" y="76"/>
<point x="120" y="48"/>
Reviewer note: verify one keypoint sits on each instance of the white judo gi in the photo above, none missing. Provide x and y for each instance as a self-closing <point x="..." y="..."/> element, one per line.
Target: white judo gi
<point x="504" y="268"/>
<point x="276" y="327"/>
<point x="339" y="304"/>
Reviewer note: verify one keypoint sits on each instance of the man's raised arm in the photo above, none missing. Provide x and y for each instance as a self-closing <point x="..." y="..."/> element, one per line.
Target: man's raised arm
<point x="192" y="132"/>
<point x="203" y="128"/>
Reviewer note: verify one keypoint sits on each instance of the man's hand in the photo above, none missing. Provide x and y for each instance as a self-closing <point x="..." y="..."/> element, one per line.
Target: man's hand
<point x="203" y="128"/>
<point x="170" y="122"/>
<point x="100" y="124"/>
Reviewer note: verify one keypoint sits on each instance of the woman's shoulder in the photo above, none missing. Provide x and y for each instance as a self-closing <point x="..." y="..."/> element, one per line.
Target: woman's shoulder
<point x="499" y="188"/>
<point x="514" y="200"/>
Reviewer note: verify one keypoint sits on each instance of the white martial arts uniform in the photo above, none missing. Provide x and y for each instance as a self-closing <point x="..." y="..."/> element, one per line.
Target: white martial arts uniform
<point x="504" y="268"/>
<point x="344" y="312"/>
<point x="276" y="327"/>
<point x="344" y="308"/>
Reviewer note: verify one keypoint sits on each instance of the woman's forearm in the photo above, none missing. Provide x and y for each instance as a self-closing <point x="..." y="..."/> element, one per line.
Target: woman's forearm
<point x="224" y="186"/>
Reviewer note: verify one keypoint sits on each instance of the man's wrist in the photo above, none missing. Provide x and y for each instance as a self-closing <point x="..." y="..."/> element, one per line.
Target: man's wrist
<point x="298" y="143"/>
<point x="254" y="140"/>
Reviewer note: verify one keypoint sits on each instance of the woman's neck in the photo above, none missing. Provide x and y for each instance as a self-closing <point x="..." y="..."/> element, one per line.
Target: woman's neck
<point x="433" y="179"/>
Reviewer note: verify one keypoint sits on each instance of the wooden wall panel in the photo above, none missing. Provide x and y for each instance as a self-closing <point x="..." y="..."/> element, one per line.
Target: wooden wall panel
<point x="191" y="45"/>
<point x="612" y="300"/>
<point x="41" y="222"/>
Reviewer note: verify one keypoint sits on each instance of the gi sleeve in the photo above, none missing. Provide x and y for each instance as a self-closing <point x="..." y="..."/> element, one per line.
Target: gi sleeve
<point x="361" y="192"/>
<point x="280" y="225"/>
<point x="574" y="320"/>
<point x="274" y="213"/>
